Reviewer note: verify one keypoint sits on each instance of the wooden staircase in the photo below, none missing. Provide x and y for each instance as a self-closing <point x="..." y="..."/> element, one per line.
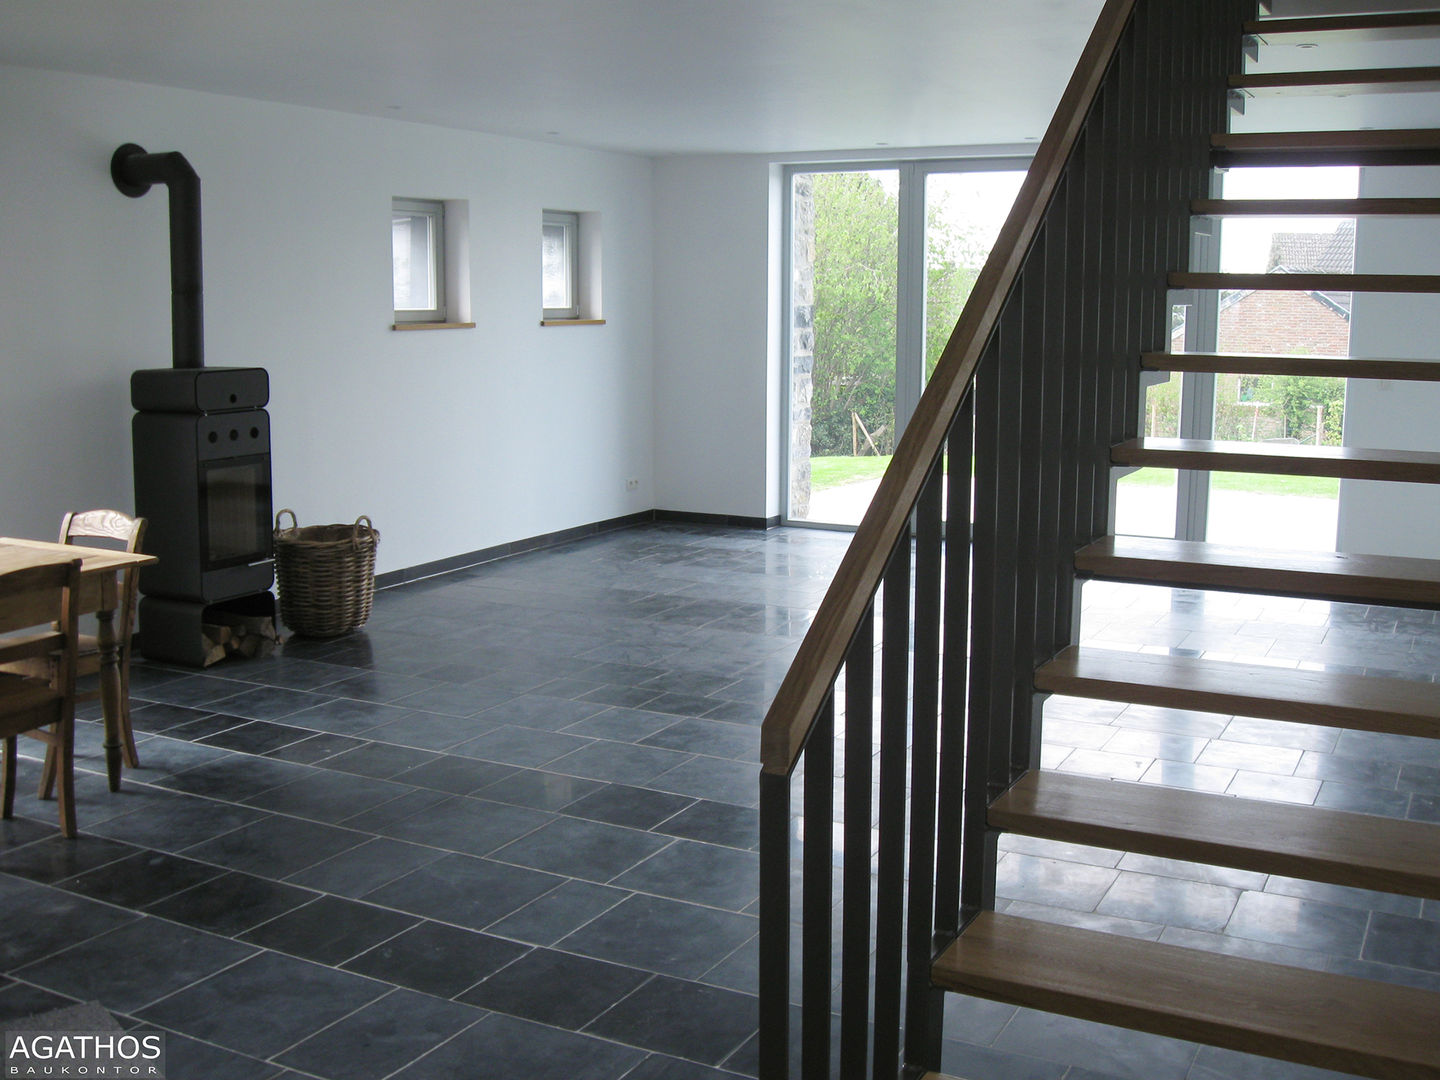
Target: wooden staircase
<point x="929" y="660"/>
<point x="1316" y="1018"/>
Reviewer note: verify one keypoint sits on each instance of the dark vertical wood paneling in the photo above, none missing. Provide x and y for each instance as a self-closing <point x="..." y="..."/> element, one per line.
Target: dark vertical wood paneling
<point x="1102" y="190"/>
<point x="1132" y="212"/>
<point x="1115" y="184"/>
<point x="817" y="899"/>
<point x="1027" y="358"/>
<point x="924" y="1006"/>
<point x="1062" y="322"/>
<point x="1154" y="250"/>
<point x="1128" y="182"/>
<point x="977" y="877"/>
<point x="774" y="943"/>
<point x="890" y="861"/>
<point x="955" y="671"/>
<point x="1078" y="349"/>
<point x="1004" y="583"/>
<point x="1052" y="551"/>
<point x="855" y="881"/>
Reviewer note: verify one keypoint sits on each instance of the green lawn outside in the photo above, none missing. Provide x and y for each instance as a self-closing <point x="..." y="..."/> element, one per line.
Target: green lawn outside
<point x="1323" y="487"/>
<point x="828" y="472"/>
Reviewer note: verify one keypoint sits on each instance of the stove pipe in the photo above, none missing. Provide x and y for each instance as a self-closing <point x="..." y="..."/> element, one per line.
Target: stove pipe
<point x="134" y="171"/>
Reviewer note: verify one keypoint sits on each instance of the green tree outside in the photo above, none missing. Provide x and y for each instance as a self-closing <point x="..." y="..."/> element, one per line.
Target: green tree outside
<point x="856" y="251"/>
<point x="856" y="304"/>
<point x="1258" y="407"/>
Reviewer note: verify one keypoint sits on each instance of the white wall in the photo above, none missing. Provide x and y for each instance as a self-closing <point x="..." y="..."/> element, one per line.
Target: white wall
<point x="720" y="397"/>
<point x="450" y="440"/>
<point x="717" y="375"/>
<point x="1383" y="518"/>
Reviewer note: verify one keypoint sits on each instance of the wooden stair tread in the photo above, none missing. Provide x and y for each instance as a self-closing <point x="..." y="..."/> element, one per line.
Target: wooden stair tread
<point x="1287" y="459"/>
<point x="1191" y="564"/>
<point x="1314" y="207"/>
<point x="1361" y="851"/>
<point x="1399" y="283"/>
<point x="1341" y="367"/>
<point x="1381" y="139"/>
<point x="1400" y="146"/>
<point x="1331" y="1021"/>
<point x="1376" y="26"/>
<point x="1329" y="698"/>
<point x="1263" y="84"/>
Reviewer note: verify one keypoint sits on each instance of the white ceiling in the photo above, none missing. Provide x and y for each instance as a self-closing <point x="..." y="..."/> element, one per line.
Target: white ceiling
<point x="648" y="76"/>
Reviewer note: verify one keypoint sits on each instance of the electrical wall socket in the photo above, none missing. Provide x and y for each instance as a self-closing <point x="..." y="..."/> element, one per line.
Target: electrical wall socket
<point x="632" y="484"/>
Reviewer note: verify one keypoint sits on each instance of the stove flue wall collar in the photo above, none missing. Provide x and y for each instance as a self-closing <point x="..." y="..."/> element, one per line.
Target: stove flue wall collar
<point x="134" y="171"/>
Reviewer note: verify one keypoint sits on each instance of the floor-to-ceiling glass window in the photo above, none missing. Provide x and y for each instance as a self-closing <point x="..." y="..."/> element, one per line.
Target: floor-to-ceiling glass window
<point x="1254" y="510"/>
<point x="1282" y="511"/>
<point x="844" y="312"/>
<point x="881" y="260"/>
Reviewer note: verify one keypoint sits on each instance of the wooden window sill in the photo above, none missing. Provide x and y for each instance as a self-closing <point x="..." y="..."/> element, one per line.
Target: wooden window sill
<point x="572" y="322"/>
<point x="432" y="326"/>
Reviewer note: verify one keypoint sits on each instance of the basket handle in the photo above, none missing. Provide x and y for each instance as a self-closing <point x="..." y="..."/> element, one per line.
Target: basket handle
<point x="294" y="521"/>
<point x="369" y="529"/>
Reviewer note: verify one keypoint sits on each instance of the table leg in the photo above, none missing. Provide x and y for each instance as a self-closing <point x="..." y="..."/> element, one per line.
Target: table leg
<point x="110" y="692"/>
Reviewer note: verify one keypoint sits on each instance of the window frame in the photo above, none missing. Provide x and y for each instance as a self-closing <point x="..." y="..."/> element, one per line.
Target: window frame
<point x="911" y="247"/>
<point x="570" y="221"/>
<point x="434" y="210"/>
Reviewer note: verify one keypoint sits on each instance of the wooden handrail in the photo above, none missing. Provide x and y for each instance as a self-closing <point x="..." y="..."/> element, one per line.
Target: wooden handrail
<point x="822" y="653"/>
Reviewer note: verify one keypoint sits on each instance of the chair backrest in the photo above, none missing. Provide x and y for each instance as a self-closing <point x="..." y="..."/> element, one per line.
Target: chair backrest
<point x="78" y="527"/>
<point x="103" y="524"/>
<point x="47" y="594"/>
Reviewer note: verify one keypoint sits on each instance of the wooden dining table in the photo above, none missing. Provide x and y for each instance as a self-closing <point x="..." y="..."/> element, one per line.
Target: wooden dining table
<point x="99" y="596"/>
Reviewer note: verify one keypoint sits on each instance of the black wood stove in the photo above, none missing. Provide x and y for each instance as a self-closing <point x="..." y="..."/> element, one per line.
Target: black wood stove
<point x="201" y="441"/>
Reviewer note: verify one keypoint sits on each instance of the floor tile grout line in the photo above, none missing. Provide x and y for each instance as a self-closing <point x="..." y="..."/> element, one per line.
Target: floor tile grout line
<point x="1250" y="612"/>
<point x="182" y="853"/>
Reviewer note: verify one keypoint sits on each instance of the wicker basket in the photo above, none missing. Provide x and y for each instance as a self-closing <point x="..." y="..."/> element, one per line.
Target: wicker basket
<point x="325" y="574"/>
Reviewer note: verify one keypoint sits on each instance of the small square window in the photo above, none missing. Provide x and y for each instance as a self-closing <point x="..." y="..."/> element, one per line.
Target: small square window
<point x="417" y="231"/>
<point x="560" y="264"/>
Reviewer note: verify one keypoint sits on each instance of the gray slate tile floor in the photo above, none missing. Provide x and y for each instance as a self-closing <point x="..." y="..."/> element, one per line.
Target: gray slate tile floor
<point x="508" y="829"/>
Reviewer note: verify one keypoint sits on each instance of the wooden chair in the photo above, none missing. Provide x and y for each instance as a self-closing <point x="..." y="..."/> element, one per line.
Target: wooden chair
<point x="121" y="529"/>
<point x="114" y="526"/>
<point x="41" y="707"/>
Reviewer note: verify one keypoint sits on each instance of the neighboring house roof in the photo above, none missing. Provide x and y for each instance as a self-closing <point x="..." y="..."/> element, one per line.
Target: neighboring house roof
<point x="1309" y="253"/>
<point x="1314" y="252"/>
<point x="1317" y="253"/>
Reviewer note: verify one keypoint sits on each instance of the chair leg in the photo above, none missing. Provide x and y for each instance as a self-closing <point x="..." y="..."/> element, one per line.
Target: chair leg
<point x="127" y="733"/>
<point x="47" y="770"/>
<point x="65" y="748"/>
<point x="7" y="780"/>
